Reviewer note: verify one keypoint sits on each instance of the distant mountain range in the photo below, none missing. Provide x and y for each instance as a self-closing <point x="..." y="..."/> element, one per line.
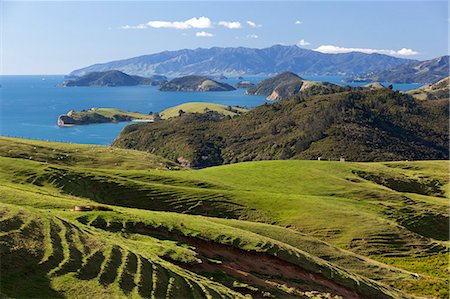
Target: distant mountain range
<point x="248" y="61"/>
<point x="429" y="71"/>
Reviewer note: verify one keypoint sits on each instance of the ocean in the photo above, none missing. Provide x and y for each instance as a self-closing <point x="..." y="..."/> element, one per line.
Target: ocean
<point x="30" y="105"/>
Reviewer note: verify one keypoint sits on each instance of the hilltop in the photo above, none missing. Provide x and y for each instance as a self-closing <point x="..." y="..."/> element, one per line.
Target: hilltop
<point x="429" y="71"/>
<point x="195" y="83"/>
<point x="259" y="229"/>
<point x="436" y="91"/>
<point x="279" y="87"/>
<point x="287" y="84"/>
<point x="218" y="61"/>
<point x="364" y="125"/>
<point x="201" y="107"/>
<point x="113" y="78"/>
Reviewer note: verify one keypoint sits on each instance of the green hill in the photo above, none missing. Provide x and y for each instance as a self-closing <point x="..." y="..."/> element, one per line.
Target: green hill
<point x="276" y="228"/>
<point x="100" y="115"/>
<point x="287" y="84"/>
<point x="201" y="107"/>
<point x="367" y="125"/>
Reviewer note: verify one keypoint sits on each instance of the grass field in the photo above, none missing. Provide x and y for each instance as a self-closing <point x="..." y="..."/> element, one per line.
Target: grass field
<point x="275" y="228"/>
<point x="201" y="107"/>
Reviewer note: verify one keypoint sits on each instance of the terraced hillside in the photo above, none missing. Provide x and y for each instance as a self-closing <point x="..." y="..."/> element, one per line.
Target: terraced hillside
<point x="262" y="229"/>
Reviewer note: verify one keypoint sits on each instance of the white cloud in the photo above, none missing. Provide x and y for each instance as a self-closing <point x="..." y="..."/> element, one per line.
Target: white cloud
<point x="253" y="24"/>
<point x="199" y="23"/>
<point x="298" y="22"/>
<point x="302" y="42"/>
<point x="230" y="25"/>
<point x="140" y="26"/>
<point x="252" y="36"/>
<point x="336" y="49"/>
<point x="204" y="34"/>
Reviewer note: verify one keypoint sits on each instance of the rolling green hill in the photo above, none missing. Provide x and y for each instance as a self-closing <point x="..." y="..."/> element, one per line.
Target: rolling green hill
<point x="367" y="125"/>
<point x="272" y="228"/>
<point x="201" y="107"/>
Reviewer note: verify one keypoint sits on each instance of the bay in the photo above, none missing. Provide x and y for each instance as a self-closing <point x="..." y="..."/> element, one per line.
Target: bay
<point x="30" y="105"/>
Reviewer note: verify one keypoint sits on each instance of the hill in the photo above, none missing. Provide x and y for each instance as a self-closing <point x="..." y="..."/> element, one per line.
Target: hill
<point x="113" y="78"/>
<point x="100" y="115"/>
<point x="365" y="125"/>
<point x="81" y="155"/>
<point x="239" y="61"/>
<point x="195" y="83"/>
<point x="436" y="91"/>
<point x="388" y="237"/>
<point x="279" y="87"/>
<point x="201" y="107"/>
<point x="429" y="71"/>
<point x="288" y="84"/>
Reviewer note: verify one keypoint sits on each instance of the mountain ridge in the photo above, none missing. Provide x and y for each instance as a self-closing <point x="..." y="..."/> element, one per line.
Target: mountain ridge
<point x="238" y="61"/>
<point x="428" y="71"/>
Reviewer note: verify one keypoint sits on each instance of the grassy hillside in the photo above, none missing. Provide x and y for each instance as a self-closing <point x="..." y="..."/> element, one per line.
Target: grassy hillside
<point x="314" y="227"/>
<point x="436" y="91"/>
<point x="201" y="107"/>
<point x="81" y="155"/>
<point x="372" y="125"/>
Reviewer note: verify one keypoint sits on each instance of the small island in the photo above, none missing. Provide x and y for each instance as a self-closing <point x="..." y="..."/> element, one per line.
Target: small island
<point x="244" y="84"/>
<point x="114" y="78"/>
<point x="195" y="83"/>
<point x="111" y="115"/>
<point x="101" y="115"/>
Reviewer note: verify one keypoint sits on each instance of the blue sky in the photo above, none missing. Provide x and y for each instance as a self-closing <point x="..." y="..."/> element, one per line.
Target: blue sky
<point x="57" y="37"/>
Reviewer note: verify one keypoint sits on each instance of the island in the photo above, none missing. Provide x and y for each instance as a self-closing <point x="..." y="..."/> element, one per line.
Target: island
<point x="244" y="84"/>
<point x="101" y="115"/>
<point x="195" y="83"/>
<point x="114" y="78"/>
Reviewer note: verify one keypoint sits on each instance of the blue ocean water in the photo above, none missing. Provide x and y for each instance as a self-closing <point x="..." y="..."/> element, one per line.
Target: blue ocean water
<point x="30" y="105"/>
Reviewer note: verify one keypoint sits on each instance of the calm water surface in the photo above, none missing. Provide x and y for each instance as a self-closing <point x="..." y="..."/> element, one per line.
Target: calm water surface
<point x="30" y="105"/>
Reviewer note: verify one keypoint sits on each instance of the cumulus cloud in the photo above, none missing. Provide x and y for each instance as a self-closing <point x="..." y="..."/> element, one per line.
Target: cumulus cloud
<point x="252" y="36"/>
<point x="198" y="23"/>
<point x="298" y="22"/>
<point x="204" y="34"/>
<point x="337" y="49"/>
<point x="302" y="42"/>
<point x="230" y="25"/>
<point x="253" y="24"/>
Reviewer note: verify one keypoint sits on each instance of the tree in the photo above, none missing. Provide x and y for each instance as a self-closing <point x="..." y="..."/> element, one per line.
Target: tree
<point x="181" y="112"/>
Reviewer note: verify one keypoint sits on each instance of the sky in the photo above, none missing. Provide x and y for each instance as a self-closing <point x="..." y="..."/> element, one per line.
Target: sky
<point x="56" y="37"/>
